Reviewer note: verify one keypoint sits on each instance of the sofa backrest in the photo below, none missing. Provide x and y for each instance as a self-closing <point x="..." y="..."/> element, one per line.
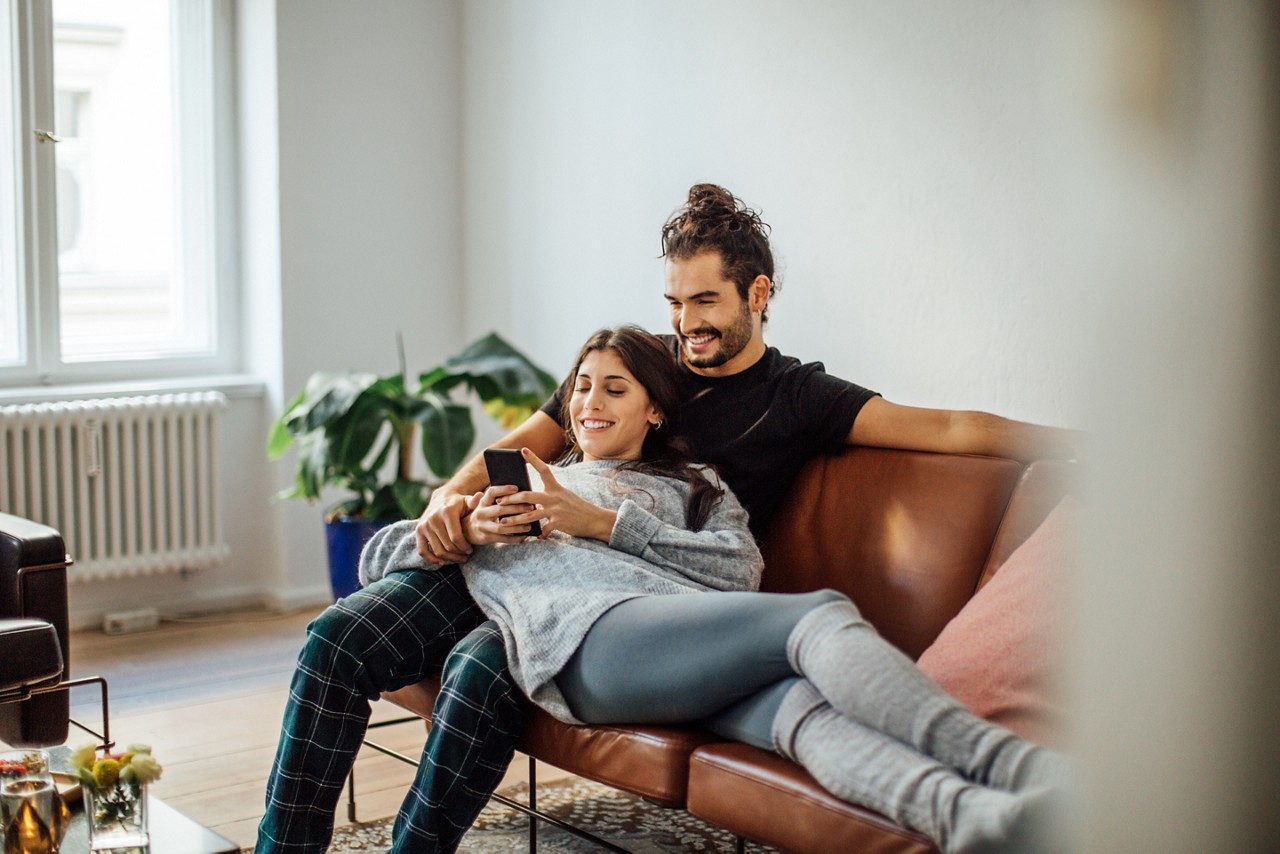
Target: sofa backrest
<point x="33" y="584"/>
<point x="908" y="536"/>
<point x="1043" y="485"/>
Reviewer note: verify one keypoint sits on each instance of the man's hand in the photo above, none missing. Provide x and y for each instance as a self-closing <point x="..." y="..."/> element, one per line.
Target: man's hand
<point x="440" y="532"/>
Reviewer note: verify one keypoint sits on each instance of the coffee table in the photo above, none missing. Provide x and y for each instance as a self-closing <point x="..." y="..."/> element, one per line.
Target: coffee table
<point x="171" y="833"/>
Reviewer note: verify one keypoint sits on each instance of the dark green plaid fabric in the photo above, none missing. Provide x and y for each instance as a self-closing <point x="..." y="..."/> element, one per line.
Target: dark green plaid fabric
<point x="393" y="633"/>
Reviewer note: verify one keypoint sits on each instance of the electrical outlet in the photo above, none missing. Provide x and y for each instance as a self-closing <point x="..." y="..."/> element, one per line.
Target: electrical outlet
<point x="123" y="622"/>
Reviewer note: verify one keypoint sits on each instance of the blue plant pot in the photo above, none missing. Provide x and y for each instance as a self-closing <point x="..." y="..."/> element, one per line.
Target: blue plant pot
<point x="346" y="537"/>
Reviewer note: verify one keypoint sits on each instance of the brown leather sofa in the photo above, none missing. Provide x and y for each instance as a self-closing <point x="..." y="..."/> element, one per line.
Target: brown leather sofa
<point x="910" y="537"/>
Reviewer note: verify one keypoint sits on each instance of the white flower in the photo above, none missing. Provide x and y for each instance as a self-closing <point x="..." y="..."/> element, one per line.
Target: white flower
<point x="84" y="756"/>
<point x="145" y="768"/>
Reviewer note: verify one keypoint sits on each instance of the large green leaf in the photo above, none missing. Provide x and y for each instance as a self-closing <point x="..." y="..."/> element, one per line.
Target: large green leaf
<point x="411" y="495"/>
<point x="328" y="396"/>
<point x="447" y="434"/>
<point x="313" y="457"/>
<point x="493" y="368"/>
<point x="401" y="499"/>
<point x="383" y="505"/>
<point x="352" y="436"/>
<point x="280" y="439"/>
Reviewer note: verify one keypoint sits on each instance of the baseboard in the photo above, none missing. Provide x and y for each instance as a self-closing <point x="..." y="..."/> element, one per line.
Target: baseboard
<point x="288" y="601"/>
<point x="215" y="602"/>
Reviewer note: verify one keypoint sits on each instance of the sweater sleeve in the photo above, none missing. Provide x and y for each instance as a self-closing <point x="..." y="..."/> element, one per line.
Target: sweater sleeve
<point x="722" y="555"/>
<point x="392" y="548"/>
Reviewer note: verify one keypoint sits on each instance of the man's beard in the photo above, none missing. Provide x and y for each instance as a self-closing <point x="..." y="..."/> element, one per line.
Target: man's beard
<point x="732" y="341"/>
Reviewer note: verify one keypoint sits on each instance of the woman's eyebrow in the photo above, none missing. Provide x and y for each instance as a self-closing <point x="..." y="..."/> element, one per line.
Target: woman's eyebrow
<point x="585" y="375"/>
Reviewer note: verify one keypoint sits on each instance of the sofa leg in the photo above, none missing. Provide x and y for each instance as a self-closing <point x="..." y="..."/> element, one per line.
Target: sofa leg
<point x="533" y="805"/>
<point x="739" y="845"/>
<point x="351" y="795"/>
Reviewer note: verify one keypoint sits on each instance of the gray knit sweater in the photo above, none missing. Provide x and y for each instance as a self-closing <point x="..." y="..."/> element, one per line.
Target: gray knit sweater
<point x="546" y="594"/>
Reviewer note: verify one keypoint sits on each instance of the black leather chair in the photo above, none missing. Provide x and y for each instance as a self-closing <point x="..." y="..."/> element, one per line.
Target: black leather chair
<point x="35" y="705"/>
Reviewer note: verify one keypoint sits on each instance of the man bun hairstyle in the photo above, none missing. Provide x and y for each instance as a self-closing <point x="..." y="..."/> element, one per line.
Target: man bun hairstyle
<point x="714" y="220"/>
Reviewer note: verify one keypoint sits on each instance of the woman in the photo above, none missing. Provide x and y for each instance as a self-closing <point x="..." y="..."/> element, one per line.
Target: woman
<point x="647" y="560"/>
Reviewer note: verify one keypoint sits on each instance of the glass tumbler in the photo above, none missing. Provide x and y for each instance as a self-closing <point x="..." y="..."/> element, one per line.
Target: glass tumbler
<point x="30" y="808"/>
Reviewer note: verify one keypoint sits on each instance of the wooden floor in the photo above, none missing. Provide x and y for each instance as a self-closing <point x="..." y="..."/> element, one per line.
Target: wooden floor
<point x="208" y="695"/>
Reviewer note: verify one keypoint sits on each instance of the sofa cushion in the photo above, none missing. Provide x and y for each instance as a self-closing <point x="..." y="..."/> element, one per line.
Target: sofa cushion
<point x="650" y="760"/>
<point x="761" y="796"/>
<point x="998" y="655"/>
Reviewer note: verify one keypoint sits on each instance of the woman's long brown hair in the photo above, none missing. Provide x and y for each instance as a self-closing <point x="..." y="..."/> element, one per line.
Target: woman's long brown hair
<point x="663" y="453"/>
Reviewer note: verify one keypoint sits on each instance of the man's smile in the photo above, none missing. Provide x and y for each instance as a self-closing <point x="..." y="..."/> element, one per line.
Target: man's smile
<point x="701" y="338"/>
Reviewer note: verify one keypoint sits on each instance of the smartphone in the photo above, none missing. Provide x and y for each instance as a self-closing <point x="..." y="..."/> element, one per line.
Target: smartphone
<point x="507" y="466"/>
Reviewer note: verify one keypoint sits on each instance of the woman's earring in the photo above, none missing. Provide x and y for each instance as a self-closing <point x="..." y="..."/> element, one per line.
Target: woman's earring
<point x="658" y="425"/>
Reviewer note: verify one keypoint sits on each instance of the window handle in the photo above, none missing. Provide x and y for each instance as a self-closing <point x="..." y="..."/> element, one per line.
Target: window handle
<point x="47" y="136"/>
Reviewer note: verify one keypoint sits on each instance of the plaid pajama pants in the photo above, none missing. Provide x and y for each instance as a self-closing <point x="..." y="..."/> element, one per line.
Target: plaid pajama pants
<point x="393" y="633"/>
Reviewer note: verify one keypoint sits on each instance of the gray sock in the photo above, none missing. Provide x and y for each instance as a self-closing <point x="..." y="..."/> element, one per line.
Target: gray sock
<point x="870" y="681"/>
<point x="874" y="770"/>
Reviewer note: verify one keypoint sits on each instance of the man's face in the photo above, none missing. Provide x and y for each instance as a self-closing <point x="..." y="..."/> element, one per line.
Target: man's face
<point x="712" y="322"/>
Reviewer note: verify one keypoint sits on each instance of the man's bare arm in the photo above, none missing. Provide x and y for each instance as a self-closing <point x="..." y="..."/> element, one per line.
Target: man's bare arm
<point x="440" y="533"/>
<point x="890" y="425"/>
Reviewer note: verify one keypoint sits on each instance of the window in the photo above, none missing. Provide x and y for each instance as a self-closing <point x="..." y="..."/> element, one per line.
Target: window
<point x="109" y="256"/>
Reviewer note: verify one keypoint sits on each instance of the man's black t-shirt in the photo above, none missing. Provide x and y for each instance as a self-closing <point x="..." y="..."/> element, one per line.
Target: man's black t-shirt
<point x="760" y="426"/>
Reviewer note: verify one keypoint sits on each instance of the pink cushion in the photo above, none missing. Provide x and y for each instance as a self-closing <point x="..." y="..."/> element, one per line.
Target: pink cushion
<point x="999" y="655"/>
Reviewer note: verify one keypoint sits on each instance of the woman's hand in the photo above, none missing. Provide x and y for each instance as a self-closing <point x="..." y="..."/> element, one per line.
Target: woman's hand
<point x="484" y="525"/>
<point x="560" y="509"/>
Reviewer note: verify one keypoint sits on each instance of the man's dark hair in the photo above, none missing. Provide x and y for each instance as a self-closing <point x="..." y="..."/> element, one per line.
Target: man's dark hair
<point x="715" y="220"/>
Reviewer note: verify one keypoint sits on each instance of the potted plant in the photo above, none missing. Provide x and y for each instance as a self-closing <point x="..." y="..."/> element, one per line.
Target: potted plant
<point x="350" y="426"/>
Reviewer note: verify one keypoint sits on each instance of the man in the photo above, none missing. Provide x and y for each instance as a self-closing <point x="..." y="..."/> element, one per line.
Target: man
<point x="754" y="413"/>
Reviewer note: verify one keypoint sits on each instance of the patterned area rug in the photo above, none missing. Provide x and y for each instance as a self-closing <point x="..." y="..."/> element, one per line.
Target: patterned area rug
<point x="619" y="817"/>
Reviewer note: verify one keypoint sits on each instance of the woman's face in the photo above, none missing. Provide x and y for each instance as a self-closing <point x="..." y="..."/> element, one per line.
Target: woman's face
<point x="611" y="410"/>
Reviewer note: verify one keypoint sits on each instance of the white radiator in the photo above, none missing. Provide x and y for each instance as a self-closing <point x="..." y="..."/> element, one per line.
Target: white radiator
<point x="131" y="483"/>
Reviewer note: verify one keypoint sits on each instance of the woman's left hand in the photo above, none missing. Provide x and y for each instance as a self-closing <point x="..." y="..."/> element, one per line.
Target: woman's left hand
<point x="561" y="509"/>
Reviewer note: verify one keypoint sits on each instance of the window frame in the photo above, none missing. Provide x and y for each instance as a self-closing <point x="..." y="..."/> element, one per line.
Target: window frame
<point x="204" y="80"/>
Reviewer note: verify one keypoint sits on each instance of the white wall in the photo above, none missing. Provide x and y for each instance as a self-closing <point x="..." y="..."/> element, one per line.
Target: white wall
<point x="369" y="201"/>
<point x="900" y="151"/>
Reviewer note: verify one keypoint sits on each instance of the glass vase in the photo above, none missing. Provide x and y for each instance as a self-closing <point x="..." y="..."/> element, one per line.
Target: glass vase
<point x="117" y="816"/>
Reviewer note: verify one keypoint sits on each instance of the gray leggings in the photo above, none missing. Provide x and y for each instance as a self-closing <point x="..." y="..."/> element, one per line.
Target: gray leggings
<point x="717" y="658"/>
